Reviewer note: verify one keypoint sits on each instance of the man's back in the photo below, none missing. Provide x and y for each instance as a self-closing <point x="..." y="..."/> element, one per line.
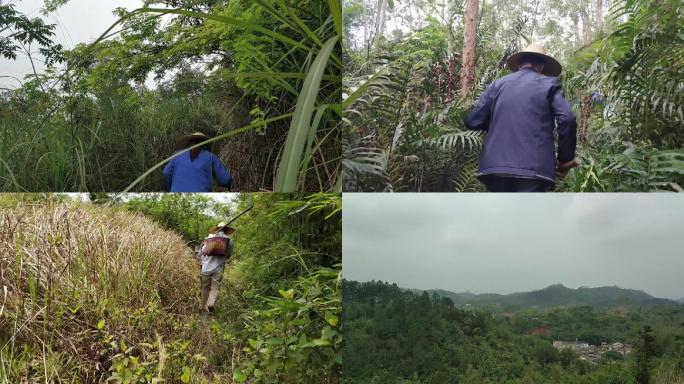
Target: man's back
<point x="518" y="111"/>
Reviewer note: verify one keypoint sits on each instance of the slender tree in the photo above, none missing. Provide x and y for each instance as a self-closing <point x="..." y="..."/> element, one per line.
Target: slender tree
<point x="645" y="350"/>
<point x="380" y="25"/>
<point x="469" y="37"/>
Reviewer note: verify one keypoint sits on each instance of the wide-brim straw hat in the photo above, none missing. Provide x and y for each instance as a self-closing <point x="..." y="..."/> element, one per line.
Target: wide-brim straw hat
<point x="222" y="225"/>
<point x="551" y="66"/>
<point x="184" y="142"/>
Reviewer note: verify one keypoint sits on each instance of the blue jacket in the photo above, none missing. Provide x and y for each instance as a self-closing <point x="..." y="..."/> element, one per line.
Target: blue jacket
<point x="518" y="111"/>
<point x="184" y="175"/>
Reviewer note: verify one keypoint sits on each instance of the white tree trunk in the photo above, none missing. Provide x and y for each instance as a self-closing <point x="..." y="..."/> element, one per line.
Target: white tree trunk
<point x="447" y="18"/>
<point x="380" y="24"/>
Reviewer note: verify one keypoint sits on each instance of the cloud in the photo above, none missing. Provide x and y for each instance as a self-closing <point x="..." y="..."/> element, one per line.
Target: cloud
<point x="507" y="243"/>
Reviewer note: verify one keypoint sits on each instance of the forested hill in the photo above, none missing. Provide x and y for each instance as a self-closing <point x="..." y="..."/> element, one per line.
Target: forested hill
<point x="556" y="295"/>
<point x="394" y="335"/>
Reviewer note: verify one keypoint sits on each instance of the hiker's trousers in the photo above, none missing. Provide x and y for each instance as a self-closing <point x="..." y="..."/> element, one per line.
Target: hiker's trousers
<point x="211" y="283"/>
<point x="498" y="183"/>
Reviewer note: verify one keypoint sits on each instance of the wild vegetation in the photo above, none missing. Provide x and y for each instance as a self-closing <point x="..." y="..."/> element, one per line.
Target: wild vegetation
<point x="261" y="77"/>
<point x="108" y="292"/>
<point x="410" y="82"/>
<point x="392" y="335"/>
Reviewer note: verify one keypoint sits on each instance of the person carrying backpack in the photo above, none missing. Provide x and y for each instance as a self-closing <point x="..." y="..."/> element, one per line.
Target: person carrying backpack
<point x="216" y="249"/>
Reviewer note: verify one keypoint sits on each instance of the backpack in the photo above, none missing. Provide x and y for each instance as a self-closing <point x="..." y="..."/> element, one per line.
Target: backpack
<point x="217" y="246"/>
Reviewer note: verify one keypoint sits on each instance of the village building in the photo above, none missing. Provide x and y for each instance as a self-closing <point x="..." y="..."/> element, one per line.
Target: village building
<point x="592" y="353"/>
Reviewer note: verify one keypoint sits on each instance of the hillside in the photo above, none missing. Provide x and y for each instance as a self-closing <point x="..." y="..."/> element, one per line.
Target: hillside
<point x="394" y="335"/>
<point x="556" y="295"/>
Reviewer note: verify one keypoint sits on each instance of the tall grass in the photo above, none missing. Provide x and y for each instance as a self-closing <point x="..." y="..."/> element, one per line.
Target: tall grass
<point x="112" y="145"/>
<point x="100" y="144"/>
<point x="78" y="278"/>
<point x="302" y="141"/>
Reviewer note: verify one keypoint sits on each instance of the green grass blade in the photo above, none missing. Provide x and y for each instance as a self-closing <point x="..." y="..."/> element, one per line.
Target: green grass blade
<point x="294" y="22"/>
<point x="336" y="13"/>
<point x="310" y="140"/>
<point x="288" y="169"/>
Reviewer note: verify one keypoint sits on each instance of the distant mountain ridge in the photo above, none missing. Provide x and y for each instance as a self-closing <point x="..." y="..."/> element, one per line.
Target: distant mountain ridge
<point x="556" y="295"/>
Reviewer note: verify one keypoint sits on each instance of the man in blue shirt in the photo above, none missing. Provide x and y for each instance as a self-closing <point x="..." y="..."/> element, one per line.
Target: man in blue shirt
<point x="518" y="112"/>
<point x="194" y="170"/>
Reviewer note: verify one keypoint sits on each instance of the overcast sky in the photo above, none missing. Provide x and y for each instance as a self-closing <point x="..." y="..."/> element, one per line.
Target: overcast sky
<point x="491" y="243"/>
<point x="79" y="21"/>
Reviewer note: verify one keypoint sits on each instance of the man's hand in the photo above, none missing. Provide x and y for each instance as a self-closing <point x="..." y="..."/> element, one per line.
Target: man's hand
<point x="562" y="169"/>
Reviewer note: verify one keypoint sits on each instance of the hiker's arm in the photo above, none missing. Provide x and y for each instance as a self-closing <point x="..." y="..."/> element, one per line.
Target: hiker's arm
<point x="478" y="117"/>
<point x="203" y="250"/>
<point x="566" y="125"/>
<point x="168" y="173"/>
<point x="221" y="174"/>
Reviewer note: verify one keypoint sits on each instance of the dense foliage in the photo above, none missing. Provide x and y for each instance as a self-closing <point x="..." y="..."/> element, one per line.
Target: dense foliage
<point x="250" y="73"/>
<point x="623" y="74"/>
<point x="393" y="335"/>
<point x="95" y="292"/>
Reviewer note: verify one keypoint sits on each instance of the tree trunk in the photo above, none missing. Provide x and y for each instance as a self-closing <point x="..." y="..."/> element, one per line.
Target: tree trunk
<point x="469" y="36"/>
<point x="586" y="27"/>
<point x="447" y="19"/>
<point x="534" y="19"/>
<point x="585" y="115"/>
<point x="599" y="15"/>
<point x="380" y="25"/>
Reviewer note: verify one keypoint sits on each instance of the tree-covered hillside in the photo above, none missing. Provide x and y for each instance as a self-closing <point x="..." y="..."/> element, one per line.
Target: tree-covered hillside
<point x="393" y="335"/>
<point x="555" y="295"/>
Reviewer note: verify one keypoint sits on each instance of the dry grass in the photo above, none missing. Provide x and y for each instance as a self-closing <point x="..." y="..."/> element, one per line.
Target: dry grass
<point x="115" y="255"/>
<point x="67" y="267"/>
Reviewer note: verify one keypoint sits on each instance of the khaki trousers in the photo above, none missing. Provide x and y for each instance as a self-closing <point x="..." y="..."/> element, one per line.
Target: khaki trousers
<point x="211" y="284"/>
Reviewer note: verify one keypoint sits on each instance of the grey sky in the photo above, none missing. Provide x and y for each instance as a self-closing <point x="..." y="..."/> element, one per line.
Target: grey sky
<point x="489" y="243"/>
<point x="79" y="21"/>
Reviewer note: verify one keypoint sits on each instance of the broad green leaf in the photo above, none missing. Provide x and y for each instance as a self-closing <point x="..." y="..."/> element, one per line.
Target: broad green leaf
<point x="239" y="376"/>
<point x="287" y="294"/>
<point x="288" y="168"/>
<point x="185" y="377"/>
<point x="331" y="319"/>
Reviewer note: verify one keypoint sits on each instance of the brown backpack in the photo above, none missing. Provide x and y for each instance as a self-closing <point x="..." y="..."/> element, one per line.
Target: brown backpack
<point x="217" y="246"/>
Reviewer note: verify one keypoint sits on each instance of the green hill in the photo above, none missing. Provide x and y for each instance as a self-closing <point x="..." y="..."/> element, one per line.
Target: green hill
<point x="556" y="295"/>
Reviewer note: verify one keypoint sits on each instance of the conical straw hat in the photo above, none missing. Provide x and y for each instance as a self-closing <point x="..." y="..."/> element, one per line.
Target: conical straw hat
<point x="222" y="225"/>
<point x="551" y="67"/>
<point x="183" y="142"/>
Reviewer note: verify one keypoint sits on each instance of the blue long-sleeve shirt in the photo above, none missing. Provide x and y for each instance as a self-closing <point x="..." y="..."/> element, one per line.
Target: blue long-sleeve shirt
<point x="182" y="174"/>
<point x="518" y="111"/>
